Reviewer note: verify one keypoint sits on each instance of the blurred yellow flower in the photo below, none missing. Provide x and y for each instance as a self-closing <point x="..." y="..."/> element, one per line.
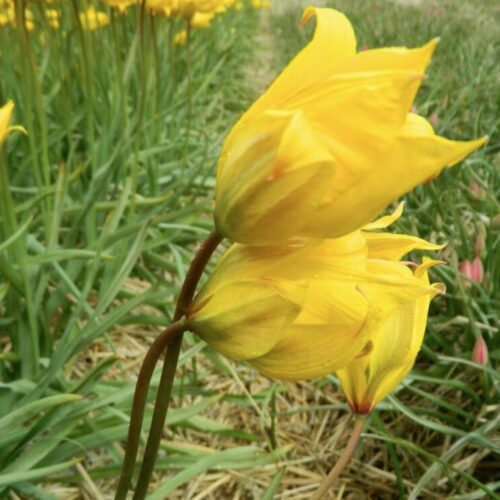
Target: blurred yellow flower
<point x="8" y="16"/>
<point x="390" y="354"/>
<point x="306" y="309"/>
<point x="5" y="117"/>
<point x="184" y="8"/>
<point x="92" y="19"/>
<point x="52" y="16"/>
<point x="261" y="4"/>
<point x="121" y="5"/>
<point x="331" y="142"/>
<point x="180" y="38"/>
<point x="202" y="19"/>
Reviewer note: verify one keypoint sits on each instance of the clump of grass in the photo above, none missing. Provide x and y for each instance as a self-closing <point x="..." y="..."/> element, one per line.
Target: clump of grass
<point x="101" y="202"/>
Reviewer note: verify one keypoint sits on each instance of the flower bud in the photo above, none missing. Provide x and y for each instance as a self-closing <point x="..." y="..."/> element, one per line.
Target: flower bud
<point x="480" y="243"/>
<point x="465" y="268"/>
<point x="306" y="159"/>
<point x="477" y="270"/>
<point x="480" y="352"/>
<point x="5" y="117"/>
<point x="472" y="270"/>
<point x="303" y="310"/>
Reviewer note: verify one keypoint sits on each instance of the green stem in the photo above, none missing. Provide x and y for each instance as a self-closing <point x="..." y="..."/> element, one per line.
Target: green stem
<point x="143" y="91"/>
<point x="189" y="72"/>
<point x="344" y="459"/>
<point x="140" y="399"/>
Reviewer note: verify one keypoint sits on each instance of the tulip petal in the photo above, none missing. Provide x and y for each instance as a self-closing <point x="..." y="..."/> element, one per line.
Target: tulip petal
<point x="395" y="345"/>
<point x="416" y="155"/>
<point x="394" y="246"/>
<point x="347" y="108"/>
<point x="281" y="184"/>
<point x="386" y="220"/>
<point x="333" y="42"/>
<point x="330" y="331"/>
<point x="239" y="312"/>
<point x="391" y="59"/>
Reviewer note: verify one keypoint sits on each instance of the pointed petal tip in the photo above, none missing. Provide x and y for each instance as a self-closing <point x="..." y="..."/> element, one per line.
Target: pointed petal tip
<point x="308" y="13"/>
<point x="440" y="288"/>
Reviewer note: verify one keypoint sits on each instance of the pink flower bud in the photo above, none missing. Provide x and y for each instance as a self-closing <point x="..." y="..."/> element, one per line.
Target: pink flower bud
<point x="472" y="270"/>
<point x="480" y="244"/>
<point x="477" y="191"/>
<point x="434" y="119"/>
<point x="480" y="352"/>
<point x="466" y="268"/>
<point x="477" y="271"/>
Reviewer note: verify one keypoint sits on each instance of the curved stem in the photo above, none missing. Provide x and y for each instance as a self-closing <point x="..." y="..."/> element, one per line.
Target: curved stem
<point x="344" y="459"/>
<point x="188" y="290"/>
<point x="172" y="346"/>
<point x="194" y="273"/>
<point x="172" y="332"/>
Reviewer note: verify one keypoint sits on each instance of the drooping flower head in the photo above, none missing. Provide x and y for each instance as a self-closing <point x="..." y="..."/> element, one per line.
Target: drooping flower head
<point x="331" y="143"/>
<point x="305" y="309"/>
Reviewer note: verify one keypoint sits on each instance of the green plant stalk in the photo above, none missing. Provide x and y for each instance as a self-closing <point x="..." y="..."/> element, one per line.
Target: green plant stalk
<point x="119" y="71"/>
<point x="140" y="400"/>
<point x="29" y="348"/>
<point x="189" y="72"/>
<point x="344" y="459"/>
<point x="144" y="68"/>
<point x="188" y="290"/>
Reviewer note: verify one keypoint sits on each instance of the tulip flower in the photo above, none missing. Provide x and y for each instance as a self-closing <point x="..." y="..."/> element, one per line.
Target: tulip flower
<point x="331" y="142"/>
<point x="121" y="5"/>
<point x="308" y="308"/>
<point x="480" y="243"/>
<point x="5" y="117"/>
<point x="480" y="352"/>
<point x="391" y="351"/>
<point x="180" y="38"/>
<point x="92" y="19"/>
<point x="52" y="16"/>
<point x="8" y="16"/>
<point x="474" y="270"/>
<point x="184" y="8"/>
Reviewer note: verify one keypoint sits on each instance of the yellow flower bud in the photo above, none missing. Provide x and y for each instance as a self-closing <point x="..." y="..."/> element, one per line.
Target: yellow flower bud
<point x="391" y="352"/>
<point x="5" y="117"/>
<point x="331" y="142"/>
<point x="121" y="5"/>
<point x="92" y="19"/>
<point x="304" y="309"/>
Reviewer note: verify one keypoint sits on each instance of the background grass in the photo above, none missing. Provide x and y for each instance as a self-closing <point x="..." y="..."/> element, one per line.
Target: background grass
<point x="108" y="195"/>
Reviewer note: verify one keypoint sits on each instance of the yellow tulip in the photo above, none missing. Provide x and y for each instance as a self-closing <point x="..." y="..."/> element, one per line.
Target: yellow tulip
<point x="331" y="142"/>
<point x="8" y="16"/>
<point x="180" y="38"/>
<point x="121" y="5"/>
<point x="5" y="117"/>
<point x="52" y="16"/>
<point x="390" y="354"/>
<point x="92" y="19"/>
<point x="202" y="19"/>
<point x="305" y="309"/>
<point x="184" y="8"/>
